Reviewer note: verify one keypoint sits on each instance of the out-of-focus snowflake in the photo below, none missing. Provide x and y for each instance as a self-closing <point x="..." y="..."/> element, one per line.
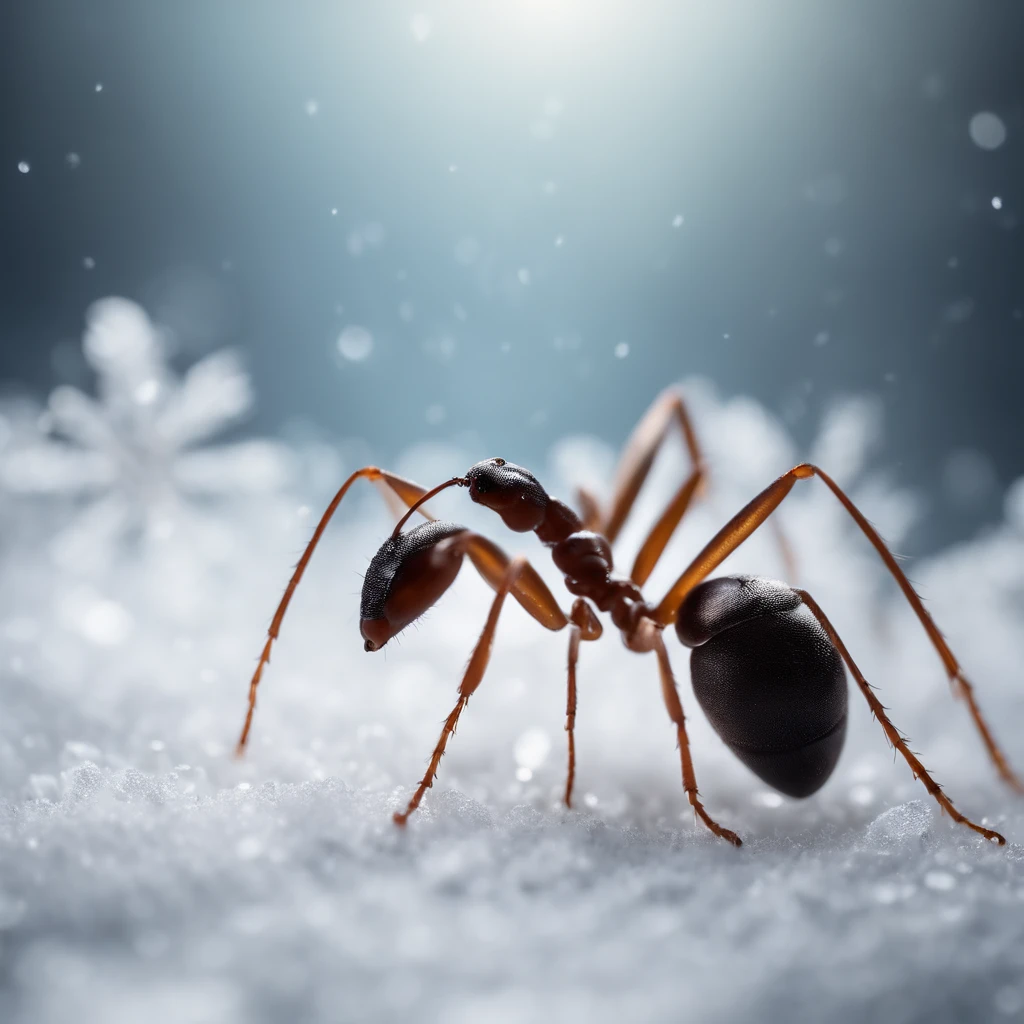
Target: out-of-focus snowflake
<point x="133" y="453"/>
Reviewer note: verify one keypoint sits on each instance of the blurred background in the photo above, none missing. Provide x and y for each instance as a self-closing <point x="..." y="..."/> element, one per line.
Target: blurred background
<point x="503" y="222"/>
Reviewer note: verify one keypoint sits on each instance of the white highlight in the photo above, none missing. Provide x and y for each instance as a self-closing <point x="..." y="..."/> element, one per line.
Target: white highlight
<point x="987" y="130"/>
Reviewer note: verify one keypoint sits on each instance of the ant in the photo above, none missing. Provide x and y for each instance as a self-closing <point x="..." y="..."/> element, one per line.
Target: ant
<point x="767" y="664"/>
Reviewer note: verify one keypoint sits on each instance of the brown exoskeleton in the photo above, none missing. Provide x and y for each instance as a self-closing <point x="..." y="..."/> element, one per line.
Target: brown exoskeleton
<point x="756" y="641"/>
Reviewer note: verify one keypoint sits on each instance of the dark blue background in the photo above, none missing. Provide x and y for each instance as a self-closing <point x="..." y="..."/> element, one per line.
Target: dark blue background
<point x="839" y="234"/>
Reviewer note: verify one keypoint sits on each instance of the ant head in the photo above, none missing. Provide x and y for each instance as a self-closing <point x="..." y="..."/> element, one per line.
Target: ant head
<point x="511" y="491"/>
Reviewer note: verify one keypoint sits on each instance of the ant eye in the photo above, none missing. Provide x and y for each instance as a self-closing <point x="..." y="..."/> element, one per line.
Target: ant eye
<point x="498" y="462"/>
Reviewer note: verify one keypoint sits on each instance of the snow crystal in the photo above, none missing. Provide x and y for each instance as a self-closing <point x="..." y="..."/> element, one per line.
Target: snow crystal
<point x="987" y="130"/>
<point x="131" y="454"/>
<point x="144" y="873"/>
<point x="355" y="343"/>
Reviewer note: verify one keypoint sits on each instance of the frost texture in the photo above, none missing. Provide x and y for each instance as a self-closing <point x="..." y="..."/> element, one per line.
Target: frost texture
<point x="144" y="874"/>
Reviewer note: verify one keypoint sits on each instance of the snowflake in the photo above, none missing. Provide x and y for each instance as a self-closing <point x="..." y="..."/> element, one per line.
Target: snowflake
<point x="132" y="454"/>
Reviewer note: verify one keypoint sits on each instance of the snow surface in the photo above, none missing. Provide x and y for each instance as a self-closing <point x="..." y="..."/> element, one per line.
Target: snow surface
<point x="146" y="875"/>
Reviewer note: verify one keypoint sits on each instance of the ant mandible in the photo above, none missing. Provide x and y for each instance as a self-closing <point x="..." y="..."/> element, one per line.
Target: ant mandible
<point x="756" y="641"/>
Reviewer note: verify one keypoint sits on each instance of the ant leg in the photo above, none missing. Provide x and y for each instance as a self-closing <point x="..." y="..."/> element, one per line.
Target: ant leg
<point x="585" y="626"/>
<point x="652" y="548"/>
<point x="673" y="705"/>
<point x="890" y="730"/>
<point x="636" y="462"/>
<point x="590" y="508"/>
<point x="527" y="587"/>
<point x="754" y="514"/>
<point x="638" y="455"/>
<point x="470" y="681"/>
<point x="570" y="712"/>
<point x="533" y="594"/>
<point x="409" y="492"/>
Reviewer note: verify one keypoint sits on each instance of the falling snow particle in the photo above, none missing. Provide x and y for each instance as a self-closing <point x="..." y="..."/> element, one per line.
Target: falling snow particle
<point x="89" y="263"/>
<point x="997" y="203"/>
<point x="365" y="236"/>
<point x="467" y="250"/>
<point x="621" y="350"/>
<point x="553" y="106"/>
<point x="248" y="848"/>
<point x="932" y="87"/>
<point x="355" y="343"/>
<point x="524" y="275"/>
<point x="452" y="168"/>
<point x="677" y="220"/>
<point x="559" y="241"/>
<point x="821" y="338"/>
<point x="73" y="160"/>
<point x="24" y="167"/>
<point x="834" y="246"/>
<point x="1008" y="1000"/>
<point x="987" y="130"/>
<point x="334" y="211"/>
<point x="99" y="87"/>
<point x="105" y="623"/>
<point x="421" y="28"/>
<point x="531" y="749"/>
<point x="862" y="795"/>
<point x="312" y="108"/>
<point x="440" y="346"/>
<point x="958" y="312"/>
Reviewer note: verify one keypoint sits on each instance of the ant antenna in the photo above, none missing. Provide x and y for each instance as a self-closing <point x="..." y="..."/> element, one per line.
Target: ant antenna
<point x="460" y="480"/>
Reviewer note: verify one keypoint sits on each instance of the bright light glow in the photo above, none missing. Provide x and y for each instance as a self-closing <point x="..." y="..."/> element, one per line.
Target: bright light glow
<point x="555" y="22"/>
<point x="420" y="27"/>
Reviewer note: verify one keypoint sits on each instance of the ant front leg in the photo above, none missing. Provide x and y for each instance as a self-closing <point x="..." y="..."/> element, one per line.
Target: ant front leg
<point x="470" y="681"/>
<point x="411" y="571"/>
<point x="409" y="492"/>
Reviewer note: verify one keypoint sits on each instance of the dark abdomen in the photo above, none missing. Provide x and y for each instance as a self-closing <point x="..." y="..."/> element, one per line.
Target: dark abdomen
<point x="768" y="678"/>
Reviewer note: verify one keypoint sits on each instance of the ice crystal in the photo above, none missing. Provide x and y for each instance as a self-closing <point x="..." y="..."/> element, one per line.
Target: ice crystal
<point x="135" y="454"/>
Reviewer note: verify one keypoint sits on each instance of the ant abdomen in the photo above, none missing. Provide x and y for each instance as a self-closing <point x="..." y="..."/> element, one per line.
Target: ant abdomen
<point x="769" y="679"/>
<point x="407" y="576"/>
